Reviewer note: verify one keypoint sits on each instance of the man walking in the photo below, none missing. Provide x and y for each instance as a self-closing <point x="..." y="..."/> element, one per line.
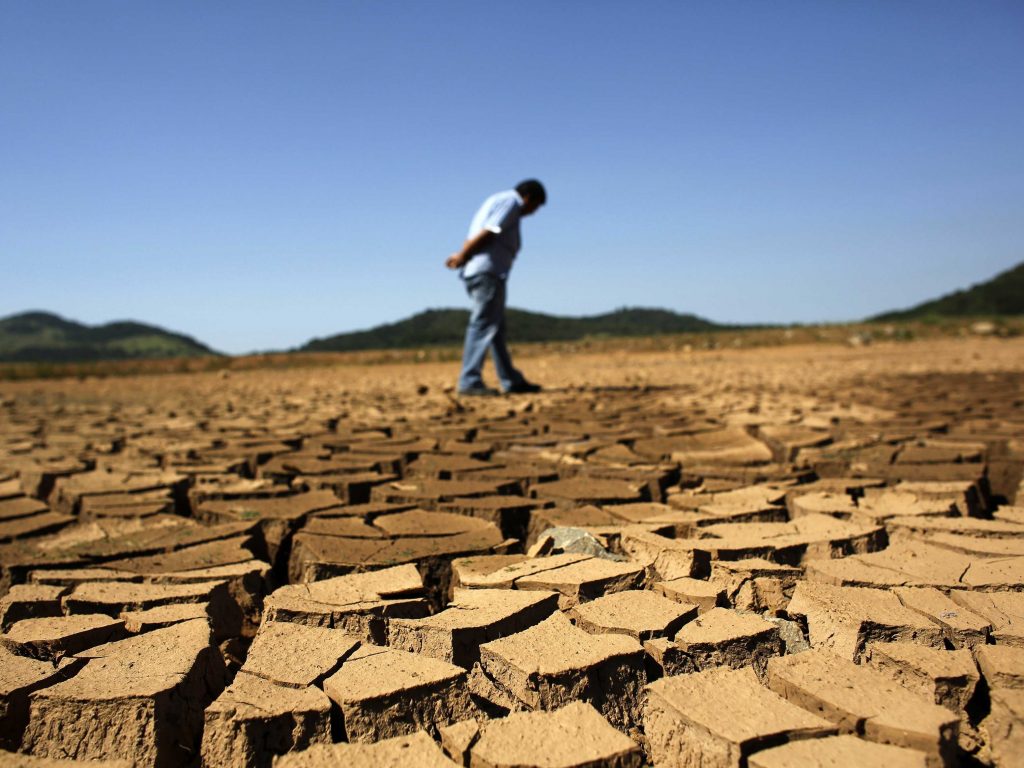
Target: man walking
<point x="484" y="263"/>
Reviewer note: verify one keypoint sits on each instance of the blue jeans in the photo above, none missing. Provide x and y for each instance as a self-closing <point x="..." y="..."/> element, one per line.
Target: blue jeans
<point x="486" y="329"/>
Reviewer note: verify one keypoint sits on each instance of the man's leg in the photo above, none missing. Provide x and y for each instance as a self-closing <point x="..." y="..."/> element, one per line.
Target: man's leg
<point x="481" y="329"/>
<point x="507" y="373"/>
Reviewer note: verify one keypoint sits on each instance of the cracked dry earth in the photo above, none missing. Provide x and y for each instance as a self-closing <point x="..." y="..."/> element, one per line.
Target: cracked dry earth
<point x="802" y="556"/>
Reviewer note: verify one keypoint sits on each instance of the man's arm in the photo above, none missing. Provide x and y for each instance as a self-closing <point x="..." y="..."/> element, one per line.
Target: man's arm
<point x="470" y="248"/>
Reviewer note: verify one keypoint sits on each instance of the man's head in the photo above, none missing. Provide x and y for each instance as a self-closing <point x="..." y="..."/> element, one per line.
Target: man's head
<point x="533" y="194"/>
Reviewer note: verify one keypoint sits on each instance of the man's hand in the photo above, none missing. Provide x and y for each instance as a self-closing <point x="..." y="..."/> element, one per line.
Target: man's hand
<point x="469" y="249"/>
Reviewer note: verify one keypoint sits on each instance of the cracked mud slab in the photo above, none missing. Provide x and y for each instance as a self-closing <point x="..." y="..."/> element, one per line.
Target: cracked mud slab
<point x="719" y="717"/>
<point x="383" y="693"/>
<point x="255" y="719"/>
<point x="863" y="701"/>
<point x="574" y="736"/>
<point x="472" y="618"/>
<point x="416" y="749"/>
<point x="868" y="497"/>
<point x="555" y="663"/>
<point x="140" y="698"/>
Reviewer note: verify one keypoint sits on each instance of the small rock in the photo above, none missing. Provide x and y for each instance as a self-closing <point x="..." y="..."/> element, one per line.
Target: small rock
<point x="983" y="328"/>
<point x="792" y="636"/>
<point x="575" y="541"/>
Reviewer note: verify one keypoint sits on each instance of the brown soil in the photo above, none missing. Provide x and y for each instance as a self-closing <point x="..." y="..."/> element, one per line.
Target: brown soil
<point x="338" y="564"/>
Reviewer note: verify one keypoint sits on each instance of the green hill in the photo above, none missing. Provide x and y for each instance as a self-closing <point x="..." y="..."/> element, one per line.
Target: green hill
<point x="1002" y="295"/>
<point x="436" y="327"/>
<point x="42" y="337"/>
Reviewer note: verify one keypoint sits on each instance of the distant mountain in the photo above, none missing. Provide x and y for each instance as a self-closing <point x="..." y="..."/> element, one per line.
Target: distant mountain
<point x="447" y="326"/>
<point x="1002" y="295"/>
<point x="42" y="337"/>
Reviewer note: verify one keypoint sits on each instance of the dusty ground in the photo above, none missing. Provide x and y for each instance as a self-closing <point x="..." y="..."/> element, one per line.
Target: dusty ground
<point x="720" y="558"/>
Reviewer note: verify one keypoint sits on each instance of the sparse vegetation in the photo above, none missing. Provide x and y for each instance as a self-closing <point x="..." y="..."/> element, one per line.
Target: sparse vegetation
<point x="36" y="345"/>
<point x="1001" y="296"/>
<point x="865" y="333"/>
<point x="439" y="327"/>
<point x="42" y="337"/>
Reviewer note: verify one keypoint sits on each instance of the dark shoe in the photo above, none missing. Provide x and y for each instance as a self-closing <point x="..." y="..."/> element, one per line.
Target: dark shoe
<point x="480" y="391"/>
<point x="523" y="388"/>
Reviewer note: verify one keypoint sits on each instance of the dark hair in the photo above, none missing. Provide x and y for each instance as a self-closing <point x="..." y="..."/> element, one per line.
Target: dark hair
<point x="533" y="189"/>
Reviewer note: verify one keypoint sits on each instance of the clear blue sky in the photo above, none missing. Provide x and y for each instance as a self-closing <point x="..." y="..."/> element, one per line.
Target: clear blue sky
<point x="259" y="173"/>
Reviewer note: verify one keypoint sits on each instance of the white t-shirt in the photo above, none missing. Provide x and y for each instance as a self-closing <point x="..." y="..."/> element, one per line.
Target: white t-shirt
<point x="499" y="214"/>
